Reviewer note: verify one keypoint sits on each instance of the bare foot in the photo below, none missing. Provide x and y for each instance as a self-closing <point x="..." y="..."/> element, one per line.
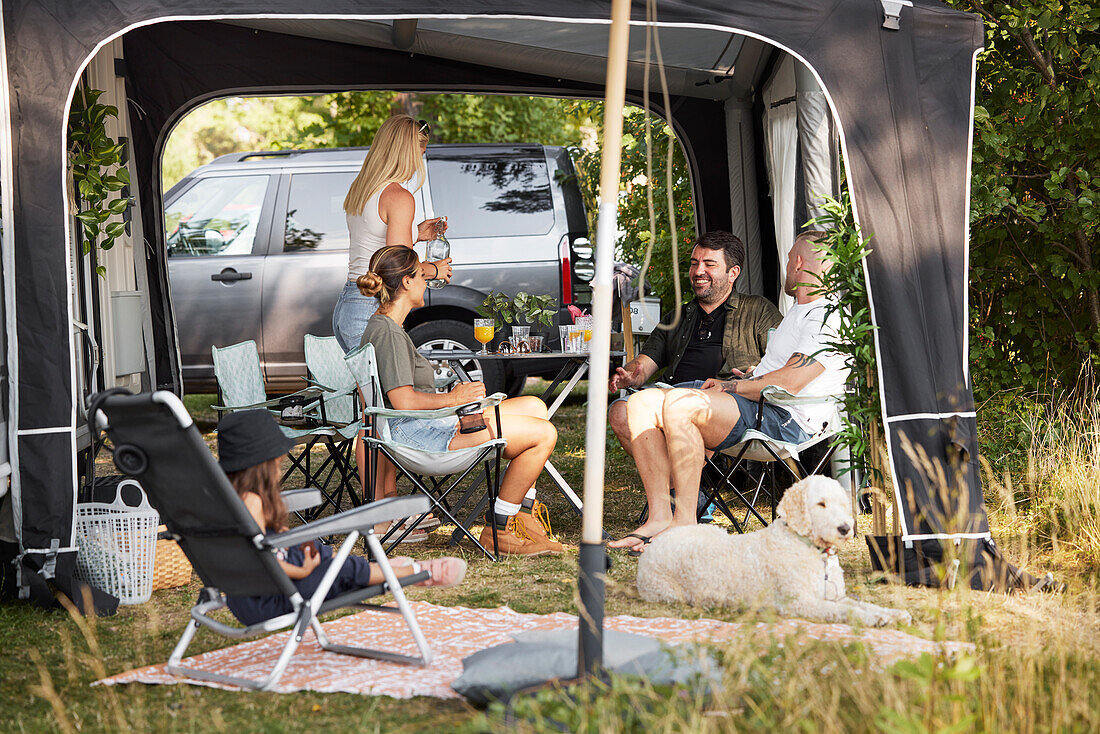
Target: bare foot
<point x="641" y="537"/>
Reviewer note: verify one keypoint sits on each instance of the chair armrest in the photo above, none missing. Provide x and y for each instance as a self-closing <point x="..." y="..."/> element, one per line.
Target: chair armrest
<point x="309" y="392"/>
<point x="391" y="508"/>
<point x="780" y="396"/>
<point x="321" y="385"/>
<point x="297" y="500"/>
<point x="483" y="403"/>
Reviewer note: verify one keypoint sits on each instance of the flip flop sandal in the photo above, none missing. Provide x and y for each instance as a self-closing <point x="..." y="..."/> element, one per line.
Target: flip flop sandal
<point x="634" y="552"/>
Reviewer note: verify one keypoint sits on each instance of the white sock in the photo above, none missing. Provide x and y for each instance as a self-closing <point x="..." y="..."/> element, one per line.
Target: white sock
<point x="505" y="509"/>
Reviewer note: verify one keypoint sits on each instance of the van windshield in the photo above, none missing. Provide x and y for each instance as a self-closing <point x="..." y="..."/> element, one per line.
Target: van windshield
<point x="491" y="194"/>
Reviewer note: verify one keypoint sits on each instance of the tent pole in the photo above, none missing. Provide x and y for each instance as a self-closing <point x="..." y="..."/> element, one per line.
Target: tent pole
<point x="593" y="554"/>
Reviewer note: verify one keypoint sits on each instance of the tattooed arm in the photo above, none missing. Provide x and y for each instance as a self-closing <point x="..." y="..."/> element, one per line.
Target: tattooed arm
<point x="799" y="371"/>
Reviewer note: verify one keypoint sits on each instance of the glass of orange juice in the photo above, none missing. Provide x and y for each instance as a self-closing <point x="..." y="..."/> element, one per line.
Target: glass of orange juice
<point x="586" y="323"/>
<point x="484" y="331"/>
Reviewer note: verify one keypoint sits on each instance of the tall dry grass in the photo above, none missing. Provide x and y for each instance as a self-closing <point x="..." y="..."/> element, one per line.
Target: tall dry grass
<point x="1054" y="502"/>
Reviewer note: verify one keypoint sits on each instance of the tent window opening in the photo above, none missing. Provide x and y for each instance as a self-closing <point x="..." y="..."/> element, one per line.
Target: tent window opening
<point x="315" y="213"/>
<point x="216" y="216"/>
<point x="492" y="195"/>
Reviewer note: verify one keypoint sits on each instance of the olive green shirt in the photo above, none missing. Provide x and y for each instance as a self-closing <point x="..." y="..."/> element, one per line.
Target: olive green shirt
<point x="398" y="361"/>
<point x="748" y="320"/>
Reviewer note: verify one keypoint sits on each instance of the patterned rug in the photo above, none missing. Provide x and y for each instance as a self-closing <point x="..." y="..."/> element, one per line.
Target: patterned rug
<point x="455" y="632"/>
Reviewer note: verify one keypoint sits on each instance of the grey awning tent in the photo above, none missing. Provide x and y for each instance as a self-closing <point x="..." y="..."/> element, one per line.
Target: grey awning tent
<point x="902" y="99"/>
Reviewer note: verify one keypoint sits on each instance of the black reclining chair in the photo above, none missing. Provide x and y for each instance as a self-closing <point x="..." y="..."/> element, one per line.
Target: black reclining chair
<point x="156" y="441"/>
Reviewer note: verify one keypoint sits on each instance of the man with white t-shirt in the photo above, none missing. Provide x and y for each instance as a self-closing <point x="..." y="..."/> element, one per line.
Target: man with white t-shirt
<point x="669" y="429"/>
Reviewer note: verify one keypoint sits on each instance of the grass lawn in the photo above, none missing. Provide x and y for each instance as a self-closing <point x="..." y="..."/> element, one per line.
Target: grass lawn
<point x="1038" y="657"/>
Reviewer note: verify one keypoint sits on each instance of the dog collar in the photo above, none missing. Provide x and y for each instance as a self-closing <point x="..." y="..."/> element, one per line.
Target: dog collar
<point x="830" y="551"/>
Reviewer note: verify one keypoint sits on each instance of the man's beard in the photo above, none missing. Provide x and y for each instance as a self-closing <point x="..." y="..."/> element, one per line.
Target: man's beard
<point x="713" y="291"/>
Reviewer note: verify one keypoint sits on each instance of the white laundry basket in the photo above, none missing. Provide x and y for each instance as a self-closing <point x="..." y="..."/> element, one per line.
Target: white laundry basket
<point x="117" y="545"/>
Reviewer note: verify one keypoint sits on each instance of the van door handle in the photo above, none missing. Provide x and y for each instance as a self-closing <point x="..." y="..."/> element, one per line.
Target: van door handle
<point x="229" y="275"/>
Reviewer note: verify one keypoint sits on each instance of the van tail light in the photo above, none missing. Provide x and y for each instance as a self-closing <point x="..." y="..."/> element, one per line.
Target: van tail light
<point x="566" y="271"/>
<point x="584" y="264"/>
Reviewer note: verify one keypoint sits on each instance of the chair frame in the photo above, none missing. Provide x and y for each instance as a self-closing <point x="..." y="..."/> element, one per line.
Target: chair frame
<point x="305" y="612"/>
<point x="724" y="464"/>
<point x="326" y="434"/>
<point x="345" y="444"/>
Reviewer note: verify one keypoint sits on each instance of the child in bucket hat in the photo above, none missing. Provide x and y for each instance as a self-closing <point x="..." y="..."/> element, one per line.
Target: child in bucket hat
<point x="251" y="447"/>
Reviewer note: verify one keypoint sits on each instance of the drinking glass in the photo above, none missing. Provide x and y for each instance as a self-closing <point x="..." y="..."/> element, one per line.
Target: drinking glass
<point x="563" y="333"/>
<point x="586" y="324"/>
<point x="576" y="338"/>
<point x="484" y="330"/>
<point x="438" y="249"/>
<point x="519" y="337"/>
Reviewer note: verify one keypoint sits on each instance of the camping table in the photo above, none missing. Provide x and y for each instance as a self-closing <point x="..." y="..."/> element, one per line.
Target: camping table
<point x="572" y="371"/>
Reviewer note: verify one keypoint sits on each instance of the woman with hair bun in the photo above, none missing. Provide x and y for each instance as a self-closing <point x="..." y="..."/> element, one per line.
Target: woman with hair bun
<point x="396" y="278"/>
<point x="379" y="212"/>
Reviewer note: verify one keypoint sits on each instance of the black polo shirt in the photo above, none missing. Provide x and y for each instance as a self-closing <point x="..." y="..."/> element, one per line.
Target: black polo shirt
<point x="703" y="356"/>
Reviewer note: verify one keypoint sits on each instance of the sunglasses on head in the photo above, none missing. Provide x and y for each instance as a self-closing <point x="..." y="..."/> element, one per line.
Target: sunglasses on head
<point x="423" y="127"/>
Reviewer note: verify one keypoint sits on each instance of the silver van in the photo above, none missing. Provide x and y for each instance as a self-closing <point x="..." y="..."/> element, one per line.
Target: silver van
<point x="258" y="249"/>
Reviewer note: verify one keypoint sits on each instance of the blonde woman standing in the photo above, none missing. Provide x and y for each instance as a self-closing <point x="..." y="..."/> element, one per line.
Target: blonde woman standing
<point x="379" y="212"/>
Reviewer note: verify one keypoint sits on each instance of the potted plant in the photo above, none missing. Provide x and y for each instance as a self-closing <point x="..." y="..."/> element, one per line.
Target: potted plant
<point x="506" y="309"/>
<point x="531" y="309"/>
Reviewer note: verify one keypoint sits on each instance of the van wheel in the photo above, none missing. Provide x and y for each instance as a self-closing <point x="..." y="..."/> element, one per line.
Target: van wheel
<point x="450" y="334"/>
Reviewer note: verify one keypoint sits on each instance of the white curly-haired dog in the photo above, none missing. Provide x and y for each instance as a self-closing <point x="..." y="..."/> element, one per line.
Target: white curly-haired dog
<point x="790" y="565"/>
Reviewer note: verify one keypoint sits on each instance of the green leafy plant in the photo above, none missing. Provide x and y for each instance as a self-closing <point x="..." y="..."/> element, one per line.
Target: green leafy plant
<point x="506" y="309"/>
<point x="92" y="153"/>
<point x="635" y="181"/>
<point x="846" y="249"/>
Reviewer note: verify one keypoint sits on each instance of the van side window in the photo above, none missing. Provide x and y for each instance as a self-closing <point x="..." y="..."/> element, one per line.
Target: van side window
<point x="216" y="216"/>
<point x="491" y="194"/>
<point x="315" y="212"/>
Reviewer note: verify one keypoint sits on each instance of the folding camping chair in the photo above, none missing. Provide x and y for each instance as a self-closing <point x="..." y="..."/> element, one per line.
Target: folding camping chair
<point x="155" y="441"/>
<point x="432" y="472"/>
<point x="327" y="371"/>
<point x="755" y="446"/>
<point x="241" y="387"/>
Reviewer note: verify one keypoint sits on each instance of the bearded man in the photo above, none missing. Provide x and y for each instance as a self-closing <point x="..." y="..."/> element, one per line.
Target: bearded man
<point x="721" y="333"/>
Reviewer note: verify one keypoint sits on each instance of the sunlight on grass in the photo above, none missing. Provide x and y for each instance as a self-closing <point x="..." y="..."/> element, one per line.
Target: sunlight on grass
<point x="1035" y="664"/>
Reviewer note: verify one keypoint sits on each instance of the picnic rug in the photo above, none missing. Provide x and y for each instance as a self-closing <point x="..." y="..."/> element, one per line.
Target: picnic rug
<point x="455" y="632"/>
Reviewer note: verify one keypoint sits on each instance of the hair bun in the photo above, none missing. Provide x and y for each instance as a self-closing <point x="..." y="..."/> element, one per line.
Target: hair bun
<point x="370" y="283"/>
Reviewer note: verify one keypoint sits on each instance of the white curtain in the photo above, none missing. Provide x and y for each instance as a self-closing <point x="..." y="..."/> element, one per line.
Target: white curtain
<point x="813" y="132"/>
<point x="781" y="150"/>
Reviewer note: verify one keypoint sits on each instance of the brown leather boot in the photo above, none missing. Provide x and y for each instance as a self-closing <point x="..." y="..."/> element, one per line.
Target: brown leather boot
<point x="513" y="539"/>
<point x="537" y="524"/>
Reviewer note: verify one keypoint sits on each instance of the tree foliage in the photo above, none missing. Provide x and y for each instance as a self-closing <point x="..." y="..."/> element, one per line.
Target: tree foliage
<point x="640" y="183"/>
<point x="1035" y="208"/>
<point x="349" y="119"/>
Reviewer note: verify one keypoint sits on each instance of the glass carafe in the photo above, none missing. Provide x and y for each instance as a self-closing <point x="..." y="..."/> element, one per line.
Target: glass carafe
<point x="438" y="249"/>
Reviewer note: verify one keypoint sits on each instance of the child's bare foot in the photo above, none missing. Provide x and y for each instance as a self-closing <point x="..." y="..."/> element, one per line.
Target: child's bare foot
<point x="445" y="572"/>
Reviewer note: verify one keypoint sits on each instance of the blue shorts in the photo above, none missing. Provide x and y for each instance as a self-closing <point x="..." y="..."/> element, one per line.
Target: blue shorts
<point x="777" y="423"/>
<point x="349" y="318"/>
<point x="354" y="574"/>
<point x="426" y="434"/>
<point x="694" y="384"/>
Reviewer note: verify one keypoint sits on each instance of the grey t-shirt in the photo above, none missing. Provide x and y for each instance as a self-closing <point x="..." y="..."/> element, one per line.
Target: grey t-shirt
<point x="398" y="361"/>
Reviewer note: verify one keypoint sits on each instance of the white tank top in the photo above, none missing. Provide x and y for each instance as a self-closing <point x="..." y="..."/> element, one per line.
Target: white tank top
<point x="367" y="233"/>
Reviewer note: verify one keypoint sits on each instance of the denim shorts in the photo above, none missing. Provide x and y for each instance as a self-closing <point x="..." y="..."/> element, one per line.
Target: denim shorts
<point x="695" y="384"/>
<point x="426" y="434"/>
<point x="777" y="423"/>
<point x="349" y="318"/>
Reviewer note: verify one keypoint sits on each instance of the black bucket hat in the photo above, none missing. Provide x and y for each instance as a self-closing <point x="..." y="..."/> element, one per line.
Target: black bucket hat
<point x="249" y="437"/>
